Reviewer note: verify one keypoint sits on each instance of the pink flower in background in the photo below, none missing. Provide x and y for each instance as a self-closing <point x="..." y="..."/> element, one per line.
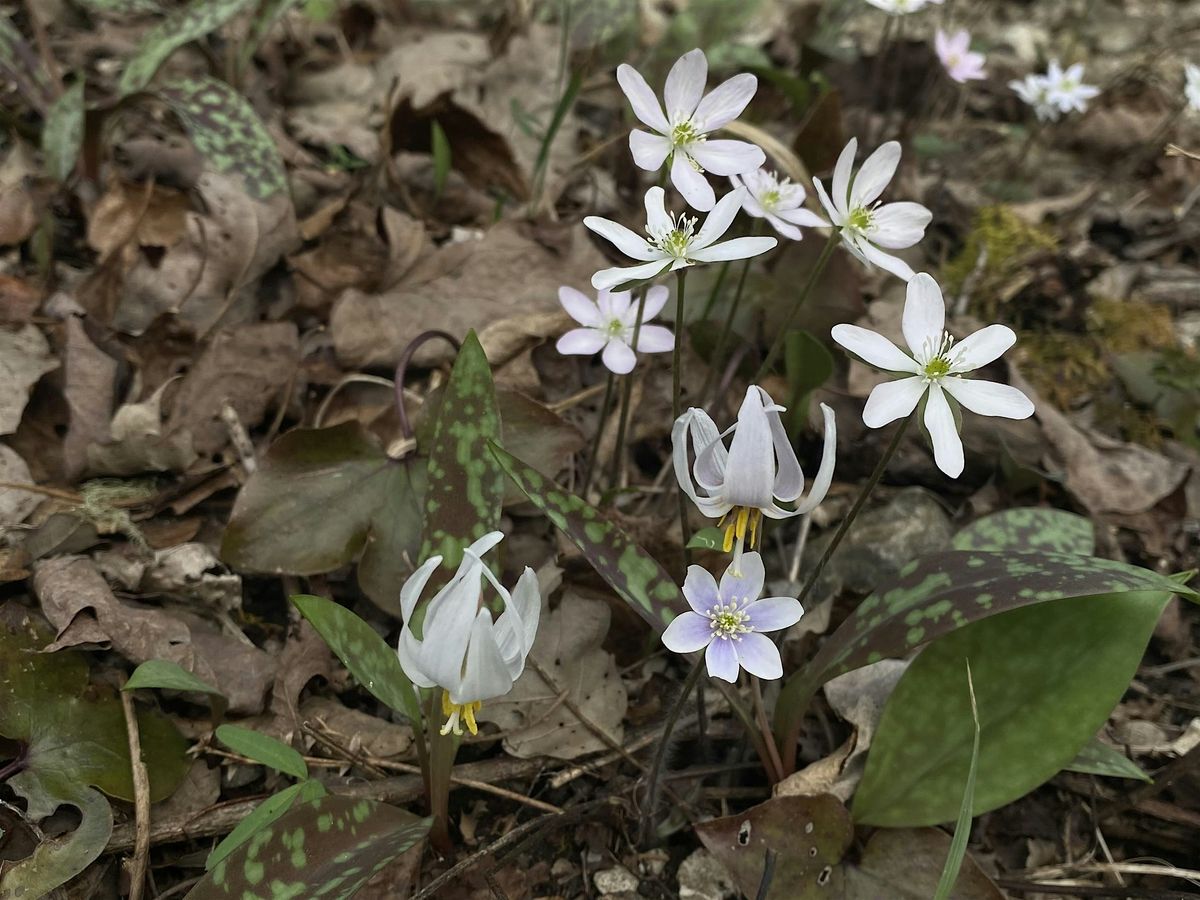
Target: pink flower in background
<point x="955" y="53"/>
<point x="608" y="324"/>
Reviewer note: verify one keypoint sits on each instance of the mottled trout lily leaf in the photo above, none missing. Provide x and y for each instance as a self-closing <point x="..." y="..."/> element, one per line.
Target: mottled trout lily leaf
<point x="1098" y="758"/>
<point x="62" y="134"/>
<point x="629" y="570"/>
<point x="1034" y="528"/>
<point x="328" y="848"/>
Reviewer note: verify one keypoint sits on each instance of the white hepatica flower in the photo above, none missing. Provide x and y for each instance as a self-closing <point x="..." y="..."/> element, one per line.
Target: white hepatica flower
<point x="1034" y="90"/>
<point x="865" y="224"/>
<point x="609" y="322"/>
<point x="954" y="52"/>
<point x="681" y="134"/>
<point x="1066" y="89"/>
<point x="758" y="471"/>
<point x="901" y="7"/>
<point x="673" y="242"/>
<point x="935" y="365"/>
<point x="462" y="650"/>
<point x="1191" y="89"/>
<point x="778" y="201"/>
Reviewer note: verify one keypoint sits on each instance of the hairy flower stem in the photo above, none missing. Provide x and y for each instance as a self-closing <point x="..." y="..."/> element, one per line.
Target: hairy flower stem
<point x="664" y="741"/>
<point x="614" y="475"/>
<point x="789" y="711"/>
<point x="605" y="408"/>
<point x="718" y="354"/>
<point x="677" y="401"/>
<point x="781" y="338"/>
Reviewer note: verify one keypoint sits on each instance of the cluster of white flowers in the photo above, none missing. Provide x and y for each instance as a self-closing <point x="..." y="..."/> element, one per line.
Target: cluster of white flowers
<point x="1057" y="92"/>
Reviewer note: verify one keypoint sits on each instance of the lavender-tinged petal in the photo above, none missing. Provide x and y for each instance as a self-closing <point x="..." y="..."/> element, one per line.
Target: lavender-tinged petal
<point x="744" y="587"/>
<point x="774" y="613"/>
<point x="759" y="656"/>
<point x="700" y="589"/>
<point x="722" y="660"/>
<point x="687" y="633"/>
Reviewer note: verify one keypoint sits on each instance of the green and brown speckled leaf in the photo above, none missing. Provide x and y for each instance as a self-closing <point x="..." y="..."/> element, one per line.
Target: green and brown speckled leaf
<point x="325" y="848"/>
<point x="1033" y="528"/>
<point x="182" y="26"/>
<point x="263" y="815"/>
<point x="62" y="133"/>
<point x="1046" y="678"/>
<point x="465" y="487"/>
<point x="1098" y="758"/>
<point x="629" y="570"/>
<point x="268" y="14"/>
<point x="120" y="7"/>
<point x="942" y="592"/>
<point x="227" y="132"/>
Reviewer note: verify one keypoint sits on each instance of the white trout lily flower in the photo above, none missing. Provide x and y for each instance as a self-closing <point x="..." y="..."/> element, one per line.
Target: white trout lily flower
<point x="866" y="225"/>
<point x="1066" y="90"/>
<point x="778" y="201"/>
<point x="1191" y="88"/>
<point x="901" y="7"/>
<point x="1034" y="90"/>
<point x="935" y="365"/>
<point x="463" y="651"/>
<point x="748" y="480"/>
<point x="954" y="52"/>
<point x="681" y="133"/>
<point x="673" y="242"/>
<point x="728" y="621"/>
<point x="609" y="323"/>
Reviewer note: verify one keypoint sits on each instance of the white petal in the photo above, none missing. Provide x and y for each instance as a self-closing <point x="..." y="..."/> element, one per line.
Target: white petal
<point x="874" y="348"/>
<point x="685" y="85"/>
<point x="657" y="219"/>
<point x="759" y="656"/>
<point x="709" y="447"/>
<point x="789" y="478"/>
<point x="725" y="103"/>
<point x="750" y="203"/>
<point x="988" y="398"/>
<point x="621" y="237"/>
<point x="892" y="400"/>
<point x="924" y="316"/>
<point x="681" y="431"/>
<point x="527" y="601"/>
<point x="785" y="229"/>
<point x="409" y="652"/>
<point x="606" y="279"/>
<point x="700" y="589"/>
<point x="726" y="157"/>
<point x="656" y="299"/>
<point x="835" y="215"/>
<point x="687" y="633"/>
<point x="695" y="187"/>
<point x="841" y="177"/>
<point x="484" y="672"/>
<point x="410" y="592"/>
<point x="617" y="305"/>
<point x="750" y="471"/>
<point x="649" y="150"/>
<point x="718" y="221"/>
<point x="898" y="225"/>
<point x="803" y="217"/>
<point x="875" y="175"/>
<point x="641" y="98"/>
<point x="744" y="587"/>
<point x="722" y="660"/>
<point x="655" y="339"/>
<point x="984" y="346"/>
<point x="947" y="446"/>
<point x="580" y="307"/>
<point x="738" y="248"/>
<point x="886" y="261"/>
<point x="824" y="478"/>
<point x="618" y="358"/>
<point x="581" y="342"/>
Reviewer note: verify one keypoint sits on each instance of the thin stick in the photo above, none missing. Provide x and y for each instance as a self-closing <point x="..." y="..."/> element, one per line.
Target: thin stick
<point x="141" y="801"/>
<point x="661" y="753"/>
<point x="605" y="407"/>
<point x="764" y="724"/>
<point x="780" y="339"/>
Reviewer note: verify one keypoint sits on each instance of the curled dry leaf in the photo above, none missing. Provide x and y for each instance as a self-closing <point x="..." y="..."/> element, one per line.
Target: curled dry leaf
<point x="89" y="385"/>
<point x="14" y="505"/>
<point x="24" y="358"/>
<point x="193" y="571"/>
<point x="138" y="442"/>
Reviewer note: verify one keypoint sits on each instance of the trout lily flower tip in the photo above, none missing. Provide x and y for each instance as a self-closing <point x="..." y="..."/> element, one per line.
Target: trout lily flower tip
<point x="727" y="621"/>
<point x="462" y="650"/>
<point x="954" y="52"/>
<point x="1191" y="89"/>
<point x="747" y="480"/>
<point x="679" y="134"/>
<point x="674" y="242"/>
<point x="935" y="366"/>
<point x="778" y="200"/>
<point x="608" y="325"/>
<point x="867" y="226"/>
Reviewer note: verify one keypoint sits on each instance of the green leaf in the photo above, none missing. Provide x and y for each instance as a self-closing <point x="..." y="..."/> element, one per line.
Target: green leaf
<point x="629" y="570"/>
<point x="227" y="132"/>
<point x="710" y="538"/>
<point x="263" y="748"/>
<point x="1098" y="758"/>
<point x="394" y="534"/>
<point x="120" y="7"/>
<point x="58" y="860"/>
<point x="962" y="828"/>
<point x="1047" y="678"/>
<point x="440" y="148"/>
<point x="466" y="485"/>
<point x="906" y="864"/>
<point x="182" y="26"/>
<point x="363" y="652"/>
<point x="166" y="675"/>
<point x="62" y="134"/>
<point x="1034" y="528"/>
<point x="263" y="815"/>
<point x="944" y="591"/>
<point x="808" y="364"/>
<point x="325" y="848"/>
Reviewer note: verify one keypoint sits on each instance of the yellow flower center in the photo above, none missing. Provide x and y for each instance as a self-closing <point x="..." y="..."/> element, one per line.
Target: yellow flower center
<point x="457" y="713"/>
<point x="683" y="134"/>
<point x="739" y="518"/>
<point x="726" y="621"/>
<point x="860" y="219"/>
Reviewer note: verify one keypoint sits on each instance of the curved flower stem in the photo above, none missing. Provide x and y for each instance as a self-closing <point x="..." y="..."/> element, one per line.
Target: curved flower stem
<point x="614" y="474"/>
<point x="677" y="401"/>
<point x="442" y="750"/>
<point x="605" y="408"/>
<point x="664" y="741"/>
<point x="718" y="353"/>
<point x="813" y="277"/>
<point x="764" y="724"/>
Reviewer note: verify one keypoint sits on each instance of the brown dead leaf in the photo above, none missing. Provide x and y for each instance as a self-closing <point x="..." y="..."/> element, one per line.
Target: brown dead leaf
<point x="193" y="572"/>
<point x="138" y="443"/>
<point x="24" y="358"/>
<point x="14" y="505"/>
<point x="19" y="300"/>
<point x="246" y="368"/>
<point x="19" y="207"/>
<point x="89" y="377"/>
<point x="357" y="731"/>
<point x="304" y="657"/>
<point x="133" y="218"/>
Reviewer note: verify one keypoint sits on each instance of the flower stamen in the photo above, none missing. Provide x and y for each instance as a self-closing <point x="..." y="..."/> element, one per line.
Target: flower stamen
<point x="458" y="713"/>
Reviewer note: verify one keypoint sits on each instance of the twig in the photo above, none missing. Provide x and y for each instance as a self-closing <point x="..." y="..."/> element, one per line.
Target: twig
<point x="1077" y="889"/>
<point x="141" y="801"/>
<point x="482" y="786"/>
<point x="1163" y="779"/>
<point x="67" y="496"/>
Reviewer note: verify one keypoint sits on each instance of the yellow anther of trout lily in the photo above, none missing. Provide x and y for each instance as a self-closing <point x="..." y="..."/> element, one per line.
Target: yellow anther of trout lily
<point x="459" y="712"/>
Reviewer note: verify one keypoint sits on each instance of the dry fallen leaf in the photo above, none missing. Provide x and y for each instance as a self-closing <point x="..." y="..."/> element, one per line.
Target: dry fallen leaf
<point x="89" y="376"/>
<point x="138" y="443"/>
<point x="24" y="358"/>
<point x="14" y="505"/>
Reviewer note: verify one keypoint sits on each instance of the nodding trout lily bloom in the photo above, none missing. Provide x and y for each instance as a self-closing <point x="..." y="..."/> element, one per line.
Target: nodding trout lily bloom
<point x="777" y="200"/>
<point x="1191" y="88"/>
<point x="462" y="650"/>
<point x="901" y="7"/>
<point x="680" y="135"/>
<point x="867" y="225"/>
<point x="727" y="621"/>
<point x="954" y="51"/>
<point x="609" y="322"/>
<point x="1066" y="90"/>
<point x="1034" y="90"/>
<point x="748" y="480"/>
<point x="935" y="366"/>
<point x="672" y="242"/>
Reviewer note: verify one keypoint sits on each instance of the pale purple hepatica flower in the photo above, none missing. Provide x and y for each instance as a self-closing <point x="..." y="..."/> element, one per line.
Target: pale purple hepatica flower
<point x="673" y="242"/>
<point x="954" y="51"/>
<point x="681" y="134"/>
<point x="728" y="621"/>
<point x="935" y="366"/>
<point x="865" y="224"/>
<point x="777" y="200"/>
<point x="609" y="322"/>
